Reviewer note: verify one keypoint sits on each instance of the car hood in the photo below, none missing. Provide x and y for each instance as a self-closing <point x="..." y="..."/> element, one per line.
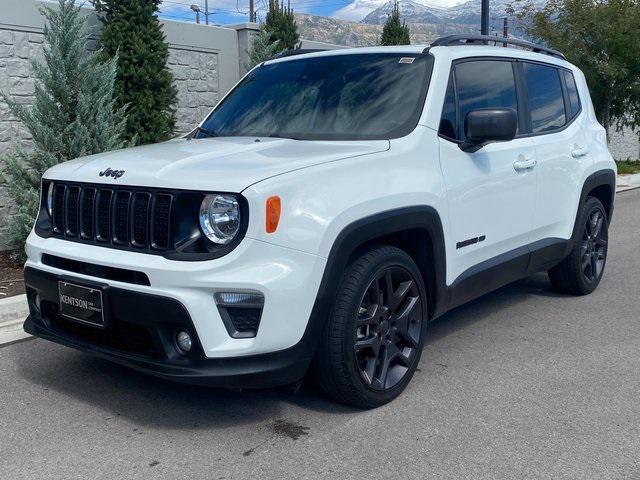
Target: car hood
<point x="213" y="164"/>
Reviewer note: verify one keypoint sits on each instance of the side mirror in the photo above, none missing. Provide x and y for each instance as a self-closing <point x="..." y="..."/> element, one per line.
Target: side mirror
<point x="488" y="125"/>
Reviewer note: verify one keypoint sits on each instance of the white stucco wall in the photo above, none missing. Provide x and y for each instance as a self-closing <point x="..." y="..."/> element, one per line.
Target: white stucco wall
<point x="624" y="144"/>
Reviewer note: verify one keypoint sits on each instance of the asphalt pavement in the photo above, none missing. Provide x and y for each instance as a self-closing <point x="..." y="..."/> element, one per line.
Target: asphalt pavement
<point x="523" y="383"/>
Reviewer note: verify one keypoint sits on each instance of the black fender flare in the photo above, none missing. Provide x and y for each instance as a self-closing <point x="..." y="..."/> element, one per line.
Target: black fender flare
<point x="361" y="232"/>
<point x="600" y="178"/>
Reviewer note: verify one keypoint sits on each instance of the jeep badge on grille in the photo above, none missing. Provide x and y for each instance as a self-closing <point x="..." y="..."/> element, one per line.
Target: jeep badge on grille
<point x="116" y="174"/>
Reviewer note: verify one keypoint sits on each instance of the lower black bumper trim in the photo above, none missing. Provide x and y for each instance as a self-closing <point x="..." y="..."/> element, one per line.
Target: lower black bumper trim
<point x="152" y="320"/>
<point x="262" y="371"/>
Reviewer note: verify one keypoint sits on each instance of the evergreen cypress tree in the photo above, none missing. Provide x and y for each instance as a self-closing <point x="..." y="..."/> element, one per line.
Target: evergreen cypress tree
<point x="73" y="113"/>
<point x="394" y="31"/>
<point x="262" y="49"/>
<point x="131" y="30"/>
<point x="281" y="23"/>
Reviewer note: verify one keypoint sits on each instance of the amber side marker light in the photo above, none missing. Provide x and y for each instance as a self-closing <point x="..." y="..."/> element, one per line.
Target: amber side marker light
<point x="274" y="207"/>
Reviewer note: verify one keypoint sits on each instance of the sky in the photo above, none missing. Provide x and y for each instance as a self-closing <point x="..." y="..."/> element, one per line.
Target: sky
<point x="236" y="11"/>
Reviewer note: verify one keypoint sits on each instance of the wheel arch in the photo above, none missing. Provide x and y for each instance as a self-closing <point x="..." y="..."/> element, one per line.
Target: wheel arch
<point x="407" y="228"/>
<point x="602" y="185"/>
<point x="604" y="189"/>
<point x="417" y="230"/>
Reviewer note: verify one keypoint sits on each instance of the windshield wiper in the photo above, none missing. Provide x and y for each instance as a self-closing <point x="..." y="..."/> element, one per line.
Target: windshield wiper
<point x="208" y="133"/>
<point x="277" y="135"/>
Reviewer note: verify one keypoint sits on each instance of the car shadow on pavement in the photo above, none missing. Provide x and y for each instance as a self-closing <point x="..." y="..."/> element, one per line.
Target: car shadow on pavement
<point x="143" y="399"/>
<point x="148" y="401"/>
<point x="484" y="307"/>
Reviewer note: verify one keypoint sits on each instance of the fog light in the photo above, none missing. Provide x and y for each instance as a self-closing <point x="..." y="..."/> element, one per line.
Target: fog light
<point x="244" y="299"/>
<point x="240" y="312"/>
<point x="184" y="342"/>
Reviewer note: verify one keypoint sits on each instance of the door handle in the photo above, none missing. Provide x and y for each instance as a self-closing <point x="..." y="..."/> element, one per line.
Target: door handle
<point x="524" y="164"/>
<point x="579" y="152"/>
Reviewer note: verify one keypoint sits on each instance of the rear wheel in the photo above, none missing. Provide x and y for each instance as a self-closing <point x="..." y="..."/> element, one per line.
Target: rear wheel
<point x="373" y="340"/>
<point x="581" y="272"/>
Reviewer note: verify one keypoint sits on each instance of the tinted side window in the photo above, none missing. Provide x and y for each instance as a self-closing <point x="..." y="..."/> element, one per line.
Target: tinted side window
<point x="484" y="84"/>
<point x="545" y="97"/>
<point x="448" y="121"/>
<point x="572" y="90"/>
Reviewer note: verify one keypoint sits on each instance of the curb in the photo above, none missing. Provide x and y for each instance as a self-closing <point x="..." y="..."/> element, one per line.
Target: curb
<point x="13" y="308"/>
<point x="627" y="182"/>
<point x="627" y="189"/>
<point x="12" y="332"/>
<point x="13" y="311"/>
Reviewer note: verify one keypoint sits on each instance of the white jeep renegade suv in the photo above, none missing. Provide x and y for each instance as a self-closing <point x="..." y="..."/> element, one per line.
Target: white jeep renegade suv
<point x="329" y="207"/>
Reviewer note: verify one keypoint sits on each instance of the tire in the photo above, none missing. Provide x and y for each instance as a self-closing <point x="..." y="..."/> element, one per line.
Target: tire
<point x="370" y="328"/>
<point x="581" y="271"/>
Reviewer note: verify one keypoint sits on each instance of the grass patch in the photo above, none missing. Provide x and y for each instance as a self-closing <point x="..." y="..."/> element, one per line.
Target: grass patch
<point x="628" y="166"/>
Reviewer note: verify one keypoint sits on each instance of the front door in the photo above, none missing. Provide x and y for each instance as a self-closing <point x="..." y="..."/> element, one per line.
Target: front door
<point x="492" y="192"/>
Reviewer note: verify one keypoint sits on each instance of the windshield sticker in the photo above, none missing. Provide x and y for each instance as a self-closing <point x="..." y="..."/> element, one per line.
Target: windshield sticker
<point x="407" y="60"/>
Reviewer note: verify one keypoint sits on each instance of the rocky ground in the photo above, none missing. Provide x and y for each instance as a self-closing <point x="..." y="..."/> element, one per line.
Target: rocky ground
<point x="11" y="281"/>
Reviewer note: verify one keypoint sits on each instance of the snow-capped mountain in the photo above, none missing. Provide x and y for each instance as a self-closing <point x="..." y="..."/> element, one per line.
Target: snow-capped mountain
<point x="411" y="11"/>
<point x="359" y="9"/>
<point x="427" y="19"/>
<point x="466" y="13"/>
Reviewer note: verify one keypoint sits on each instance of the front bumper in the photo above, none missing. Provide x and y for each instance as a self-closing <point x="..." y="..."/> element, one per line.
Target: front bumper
<point x="288" y="279"/>
<point x="140" y="335"/>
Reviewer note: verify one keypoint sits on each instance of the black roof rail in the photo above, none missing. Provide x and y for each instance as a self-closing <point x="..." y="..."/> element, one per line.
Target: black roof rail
<point x="457" y="40"/>
<point x="298" y="51"/>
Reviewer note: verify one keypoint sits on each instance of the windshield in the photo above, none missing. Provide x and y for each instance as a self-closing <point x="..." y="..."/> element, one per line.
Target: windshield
<point x="338" y="97"/>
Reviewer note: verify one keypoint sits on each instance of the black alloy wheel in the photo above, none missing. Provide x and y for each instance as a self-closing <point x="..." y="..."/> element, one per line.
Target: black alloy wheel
<point x="388" y="327"/>
<point x="580" y="272"/>
<point x="372" y="341"/>
<point x="594" y="246"/>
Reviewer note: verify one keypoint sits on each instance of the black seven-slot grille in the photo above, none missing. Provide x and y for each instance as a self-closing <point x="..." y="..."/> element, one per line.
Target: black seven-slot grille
<point x="141" y="219"/>
<point x="118" y="217"/>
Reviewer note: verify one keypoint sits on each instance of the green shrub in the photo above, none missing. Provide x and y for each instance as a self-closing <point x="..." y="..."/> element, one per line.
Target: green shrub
<point x="262" y="48"/>
<point x="73" y="113"/>
<point x="628" y="166"/>
<point x="279" y="32"/>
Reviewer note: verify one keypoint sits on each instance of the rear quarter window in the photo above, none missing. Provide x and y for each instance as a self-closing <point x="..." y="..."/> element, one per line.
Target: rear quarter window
<point x="546" y="101"/>
<point x="572" y="92"/>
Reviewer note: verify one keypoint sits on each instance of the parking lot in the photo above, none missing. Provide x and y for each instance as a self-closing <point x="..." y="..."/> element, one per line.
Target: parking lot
<point x="523" y="383"/>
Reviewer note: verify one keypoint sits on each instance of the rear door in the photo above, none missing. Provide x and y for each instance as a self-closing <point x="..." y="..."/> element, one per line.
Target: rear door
<point x="492" y="192"/>
<point x="561" y="149"/>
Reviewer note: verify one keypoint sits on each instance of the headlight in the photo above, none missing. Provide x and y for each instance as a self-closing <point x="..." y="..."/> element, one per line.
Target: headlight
<point x="220" y="218"/>
<point x="50" y="200"/>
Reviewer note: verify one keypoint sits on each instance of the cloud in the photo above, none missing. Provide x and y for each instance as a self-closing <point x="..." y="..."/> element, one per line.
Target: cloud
<point x="357" y="10"/>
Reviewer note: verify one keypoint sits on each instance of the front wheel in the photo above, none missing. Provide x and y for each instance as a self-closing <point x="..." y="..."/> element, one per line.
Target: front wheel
<point x="373" y="340"/>
<point x="580" y="273"/>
